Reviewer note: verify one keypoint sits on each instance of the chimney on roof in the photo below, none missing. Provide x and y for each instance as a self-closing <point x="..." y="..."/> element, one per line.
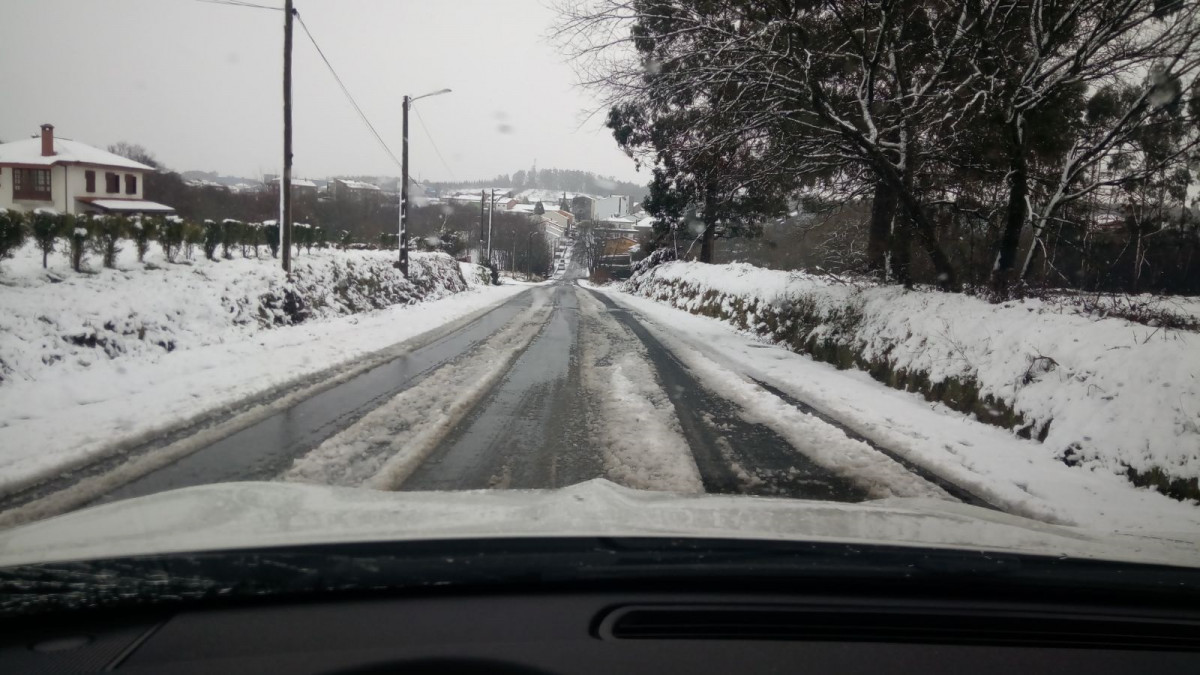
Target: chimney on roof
<point x="47" y="140"/>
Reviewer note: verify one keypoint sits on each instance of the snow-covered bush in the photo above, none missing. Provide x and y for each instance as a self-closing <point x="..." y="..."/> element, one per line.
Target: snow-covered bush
<point x="270" y="235"/>
<point x="107" y="232"/>
<point x="231" y="236"/>
<point x="212" y="239"/>
<point x="250" y="237"/>
<point x="12" y="232"/>
<point x="193" y="236"/>
<point x="46" y="226"/>
<point x="301" y="236"/>
<point x="656" y="258"/>
<point x="77" y="230"/>
<point x="476" y="275"/>
<point x="144" y="230"/>
<point x="170" y="236"/>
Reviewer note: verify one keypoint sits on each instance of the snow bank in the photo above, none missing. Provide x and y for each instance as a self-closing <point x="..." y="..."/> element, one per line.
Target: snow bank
<point x="1100" y="393"/>
<point x="55" y="319"/>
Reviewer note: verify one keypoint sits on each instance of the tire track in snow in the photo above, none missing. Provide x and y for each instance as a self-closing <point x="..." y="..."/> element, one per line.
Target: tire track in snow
<point x="643" y="443"/>
<point x="781" y="450"/>
<point x="387" y="444"/>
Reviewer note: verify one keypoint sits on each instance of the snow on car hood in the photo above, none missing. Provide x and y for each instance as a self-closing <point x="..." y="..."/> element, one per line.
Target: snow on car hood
<point x="231" y="516"/>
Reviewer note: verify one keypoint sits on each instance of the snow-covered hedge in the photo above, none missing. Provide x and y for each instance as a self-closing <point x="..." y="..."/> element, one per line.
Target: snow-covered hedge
<point x="57" y="318"/>
<point x="1100" y="393"/>
<point x="476" y="275"/>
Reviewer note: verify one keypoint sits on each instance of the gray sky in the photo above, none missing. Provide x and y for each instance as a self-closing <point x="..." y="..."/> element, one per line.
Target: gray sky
<point x="200" y="85"/>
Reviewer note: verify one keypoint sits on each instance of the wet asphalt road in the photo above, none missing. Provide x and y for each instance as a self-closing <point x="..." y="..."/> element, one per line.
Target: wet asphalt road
<point x="531" y="431"/>
<point x="534" y="428"/>
<point x="264" y="450"/>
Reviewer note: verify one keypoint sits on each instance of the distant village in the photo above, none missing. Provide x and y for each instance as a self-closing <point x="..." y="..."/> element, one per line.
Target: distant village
<point x="616" y="219"/>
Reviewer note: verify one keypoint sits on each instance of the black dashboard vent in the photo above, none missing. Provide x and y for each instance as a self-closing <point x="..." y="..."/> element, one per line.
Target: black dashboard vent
<point x="891" y="625"/>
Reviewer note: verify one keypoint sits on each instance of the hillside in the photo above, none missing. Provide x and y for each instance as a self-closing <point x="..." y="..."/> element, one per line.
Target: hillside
<point x="554" y="180"/>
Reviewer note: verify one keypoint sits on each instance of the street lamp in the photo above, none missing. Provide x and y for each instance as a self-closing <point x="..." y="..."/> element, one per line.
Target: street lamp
<point x="408" y="101"/>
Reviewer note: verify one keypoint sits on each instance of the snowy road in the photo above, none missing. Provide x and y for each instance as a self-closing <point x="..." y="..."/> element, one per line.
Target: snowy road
<point x="557" y="385"/>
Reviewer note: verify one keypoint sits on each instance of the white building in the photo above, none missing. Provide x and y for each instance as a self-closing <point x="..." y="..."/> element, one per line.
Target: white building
<point x="71" y="177"/>
<point x="610" y="207"/>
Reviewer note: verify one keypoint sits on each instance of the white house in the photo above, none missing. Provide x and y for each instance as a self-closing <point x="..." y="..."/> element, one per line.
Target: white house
<point x="614" y="206"/>
<point x="71" y="177"/>
<point x="563" y="220"/>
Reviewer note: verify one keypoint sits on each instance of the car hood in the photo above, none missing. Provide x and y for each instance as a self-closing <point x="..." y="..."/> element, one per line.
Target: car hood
<point x="252" y="515"/>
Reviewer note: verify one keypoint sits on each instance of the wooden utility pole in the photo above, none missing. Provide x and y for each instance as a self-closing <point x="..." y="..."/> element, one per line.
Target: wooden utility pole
<point x="491" y="209"/>
<point x="482" y="226"/>
<point x="285" y="181"/>
<point x="404" y="194"/>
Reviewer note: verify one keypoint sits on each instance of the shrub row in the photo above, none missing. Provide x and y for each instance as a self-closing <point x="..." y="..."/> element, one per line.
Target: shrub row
<point x="103" y="234"/>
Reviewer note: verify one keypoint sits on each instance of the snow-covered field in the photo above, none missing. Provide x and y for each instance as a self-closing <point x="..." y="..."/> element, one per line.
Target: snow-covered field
<point x="1107" y="394"/>
<point x="165" y="345"/>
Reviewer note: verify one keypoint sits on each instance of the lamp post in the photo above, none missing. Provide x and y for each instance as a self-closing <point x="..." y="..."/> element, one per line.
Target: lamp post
<point x="408" y="101"/>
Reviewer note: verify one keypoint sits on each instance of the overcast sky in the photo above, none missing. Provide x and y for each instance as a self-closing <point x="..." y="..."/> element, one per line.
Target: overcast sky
<point x="199" y="85"/>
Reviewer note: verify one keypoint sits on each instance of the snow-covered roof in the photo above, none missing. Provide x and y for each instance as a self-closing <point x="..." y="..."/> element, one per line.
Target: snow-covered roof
<point x="621" y="220"/>
<point x="539" y="194"/>
<point x="130" y="205"/>
<point x="358" y="185"/>
<point x="29" y="151"/>
<point x="300" y="182"/>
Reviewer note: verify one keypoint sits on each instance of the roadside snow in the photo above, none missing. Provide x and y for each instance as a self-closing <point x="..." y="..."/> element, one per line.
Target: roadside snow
<point x="1108" y="393"/>
<point x="1015" y="474"/>
<point x="643" y="443"/>
<point x="56" y="321"/>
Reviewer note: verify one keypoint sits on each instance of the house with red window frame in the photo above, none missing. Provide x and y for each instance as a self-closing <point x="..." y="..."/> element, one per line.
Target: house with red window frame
<point x="71" y="177"/>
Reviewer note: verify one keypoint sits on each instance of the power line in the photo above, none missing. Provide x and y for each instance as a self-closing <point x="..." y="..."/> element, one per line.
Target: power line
<point x="435" y="147"/>
<point x="240" y="3"/>
<point x="346" y="91"/>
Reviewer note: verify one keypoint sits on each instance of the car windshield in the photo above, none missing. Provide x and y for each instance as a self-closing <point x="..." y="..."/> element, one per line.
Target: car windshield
<point x="920" y="274"/>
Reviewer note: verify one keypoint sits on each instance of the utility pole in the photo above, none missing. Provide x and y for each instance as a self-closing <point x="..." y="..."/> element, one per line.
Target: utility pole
<point x="285" y="180"/>
<point x="403" y="238"/>
<point x="482" y="227"/>
<point x="403" y="264"/>
<point x="491" y="210"/>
